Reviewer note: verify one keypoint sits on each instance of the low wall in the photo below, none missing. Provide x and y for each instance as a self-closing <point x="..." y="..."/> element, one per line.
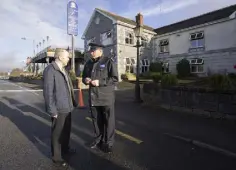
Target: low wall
<point x="200" y="101"/>
<point x="29" y="81"/>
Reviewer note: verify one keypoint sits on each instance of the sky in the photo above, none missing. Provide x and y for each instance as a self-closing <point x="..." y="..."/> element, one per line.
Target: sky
<point x="34" y="20"/>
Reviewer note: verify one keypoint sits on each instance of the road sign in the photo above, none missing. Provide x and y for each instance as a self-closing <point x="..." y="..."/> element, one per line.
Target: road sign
<point x="72" y="17"/>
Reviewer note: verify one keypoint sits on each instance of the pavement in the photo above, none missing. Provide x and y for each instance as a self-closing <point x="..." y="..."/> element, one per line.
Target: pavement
<point x="147" y="138"/>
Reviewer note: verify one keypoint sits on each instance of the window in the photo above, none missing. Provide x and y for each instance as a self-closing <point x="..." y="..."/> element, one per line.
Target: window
<point x="106" y="38"/>
<point x="130" y="65"/>
<point x="97" y="20"/>
<point x="129" y="38"/>
<point x="165" y="67"/>
<point x="145" y="65"/>
<point x="196" y="65"/>
<point x="197" y="40"/>
<point x="144" y="41"/>
<point x="164" y="46"/>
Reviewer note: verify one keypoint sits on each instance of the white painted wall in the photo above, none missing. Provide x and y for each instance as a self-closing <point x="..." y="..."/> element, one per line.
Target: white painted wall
<point x="217" y="36"/>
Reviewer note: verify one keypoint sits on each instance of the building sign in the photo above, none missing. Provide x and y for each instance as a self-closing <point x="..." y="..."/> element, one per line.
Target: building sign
<point x="72" y="17"/>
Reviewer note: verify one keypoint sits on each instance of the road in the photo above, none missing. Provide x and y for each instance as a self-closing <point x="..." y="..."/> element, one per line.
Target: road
<point x="146" y="136"/>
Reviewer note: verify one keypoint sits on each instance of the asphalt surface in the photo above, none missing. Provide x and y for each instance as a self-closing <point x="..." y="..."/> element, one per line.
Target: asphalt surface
<point x="144" y="137"/>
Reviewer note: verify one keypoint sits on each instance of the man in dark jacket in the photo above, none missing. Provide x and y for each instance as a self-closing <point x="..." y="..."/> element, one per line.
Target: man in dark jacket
<point x="100" y="73"/>
<point x="59" y="101"/>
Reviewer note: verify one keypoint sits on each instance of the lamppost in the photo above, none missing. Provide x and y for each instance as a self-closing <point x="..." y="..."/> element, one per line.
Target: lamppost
<point x="24" y="38"/>
<point x="138" y="33"/>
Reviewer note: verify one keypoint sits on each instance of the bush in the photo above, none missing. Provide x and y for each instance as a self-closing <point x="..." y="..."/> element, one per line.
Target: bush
<point x="149" y="75"/>
<point x="155" y="67"/>
<point x="128" y="76"/>
<point x="169" y="80"/>
<point x="72" y="75"/>
<point x="220" y="82"/>
<point x="232" y="76"/>
<point x="156" y="78"/>
<point x="183" y="68"/>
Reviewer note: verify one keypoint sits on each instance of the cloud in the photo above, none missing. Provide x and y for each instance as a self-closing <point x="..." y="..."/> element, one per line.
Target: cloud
<point x="11" y="60"/>
<point x="34" y="20"/>
<point x="168" y="7"/>
<point x="154" y="8"/>
<point x="151" y="8"/>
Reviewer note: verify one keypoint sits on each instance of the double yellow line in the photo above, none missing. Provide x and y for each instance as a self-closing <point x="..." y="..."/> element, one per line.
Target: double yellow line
<point x="131" y="138"/>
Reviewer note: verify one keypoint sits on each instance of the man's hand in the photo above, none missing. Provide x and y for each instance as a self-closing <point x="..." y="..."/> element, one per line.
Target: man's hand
<point x="87" y="80"/>
<point x="95" y="82"/>
<point x="55" y="116"/>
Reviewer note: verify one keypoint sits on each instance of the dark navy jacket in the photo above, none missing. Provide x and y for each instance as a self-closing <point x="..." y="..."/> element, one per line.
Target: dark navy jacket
<point x="104" y="70"/>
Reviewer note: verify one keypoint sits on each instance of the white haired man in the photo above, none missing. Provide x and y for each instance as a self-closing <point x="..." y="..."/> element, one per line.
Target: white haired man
<point x="60" y="102"/>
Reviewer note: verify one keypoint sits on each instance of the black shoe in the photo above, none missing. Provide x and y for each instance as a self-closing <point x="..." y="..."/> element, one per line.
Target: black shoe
<point x="70" y="151"/>
<point x="107" y="149"/>
<point x="60" y="163"/>
<point x="95" y="145"/>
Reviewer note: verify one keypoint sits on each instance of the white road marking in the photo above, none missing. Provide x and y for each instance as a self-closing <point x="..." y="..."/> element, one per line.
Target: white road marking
<point x="203" y="145"/>
<point x="27" y="90"/>
<point x="23" y="89"/>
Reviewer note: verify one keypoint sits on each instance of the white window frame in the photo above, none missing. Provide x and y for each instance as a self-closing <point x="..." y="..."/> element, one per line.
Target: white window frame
<point x="97" y="20"/>
<point x="198" y="39"/>
<point x="165" y="67"/>
<point x="130" y="37"/>
<point x="164" y="46"/>
<point x="106" y="38"/>
<point x="145" y="66"/>
<point x="198" y="63"/>
<point x="144" y="41"/>
<point x="131" y="65"/>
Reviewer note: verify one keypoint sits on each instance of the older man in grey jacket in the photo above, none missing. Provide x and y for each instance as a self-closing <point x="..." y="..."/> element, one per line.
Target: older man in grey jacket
<point x="60" y="102"/>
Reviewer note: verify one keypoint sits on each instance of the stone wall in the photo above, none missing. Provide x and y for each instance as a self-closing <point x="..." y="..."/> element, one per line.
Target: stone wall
<point x="129" y="50"/>
<point x="200" y="101"/>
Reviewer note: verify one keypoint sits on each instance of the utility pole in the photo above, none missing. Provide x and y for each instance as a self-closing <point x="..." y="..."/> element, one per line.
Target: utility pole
<point x="73" y="54"/>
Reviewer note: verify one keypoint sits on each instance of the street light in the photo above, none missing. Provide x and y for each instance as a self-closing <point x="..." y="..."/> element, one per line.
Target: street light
<point x="138" y="30"/>
<point x="24" y="38"/>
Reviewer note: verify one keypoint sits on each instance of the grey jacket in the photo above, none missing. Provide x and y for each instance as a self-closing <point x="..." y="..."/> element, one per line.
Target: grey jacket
<point x="57" y="96"/>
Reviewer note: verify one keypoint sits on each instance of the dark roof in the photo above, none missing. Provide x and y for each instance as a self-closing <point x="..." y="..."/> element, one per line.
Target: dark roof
<point x="202" y="19"/>
<point x="123" y="19"/>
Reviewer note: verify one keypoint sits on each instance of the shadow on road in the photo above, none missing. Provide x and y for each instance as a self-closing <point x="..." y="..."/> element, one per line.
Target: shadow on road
<point x="35" y="125"/>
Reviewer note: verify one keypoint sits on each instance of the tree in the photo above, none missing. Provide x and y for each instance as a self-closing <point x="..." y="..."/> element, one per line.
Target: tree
<point x="183" y="68"/>
<point x="79" y="54"/>
<point x="29" y="68"/>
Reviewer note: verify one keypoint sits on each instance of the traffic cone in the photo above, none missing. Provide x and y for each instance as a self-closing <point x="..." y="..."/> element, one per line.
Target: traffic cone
<point x="81" y="100"/>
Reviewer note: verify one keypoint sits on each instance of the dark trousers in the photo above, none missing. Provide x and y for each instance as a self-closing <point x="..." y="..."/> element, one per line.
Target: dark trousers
<point x="104" y="124"/>
<point x="60" y="136"/>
